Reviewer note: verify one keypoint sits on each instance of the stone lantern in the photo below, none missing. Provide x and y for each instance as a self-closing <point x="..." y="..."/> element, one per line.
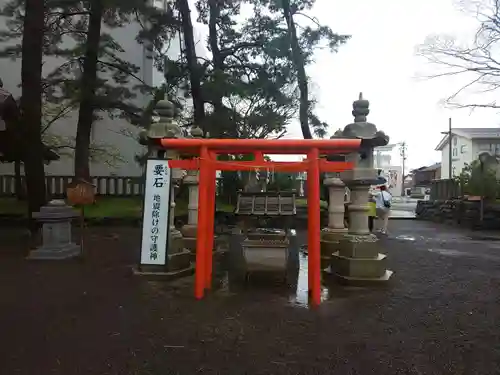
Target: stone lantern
<point x="192" y="180"/>
<point x="358" y="260"/>
<point x="56" y="219"/>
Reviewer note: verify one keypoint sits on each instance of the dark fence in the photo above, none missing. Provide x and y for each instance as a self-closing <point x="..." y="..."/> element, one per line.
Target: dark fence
<point x="444" y="189"/>
<point x="56" y="185"/>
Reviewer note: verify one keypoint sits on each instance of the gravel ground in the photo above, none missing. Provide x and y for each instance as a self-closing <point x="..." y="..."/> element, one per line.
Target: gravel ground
<point x="439" y="316"/>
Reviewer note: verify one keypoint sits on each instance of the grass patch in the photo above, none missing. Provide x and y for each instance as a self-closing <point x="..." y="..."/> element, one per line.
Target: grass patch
<point x="104" y="207"/>
<point x="302" y="202"/>
<point x="11" y="206"/>
<point x="115" y="207"/>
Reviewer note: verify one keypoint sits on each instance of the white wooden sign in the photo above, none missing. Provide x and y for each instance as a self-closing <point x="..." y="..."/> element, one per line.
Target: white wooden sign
<point x="156" y="212"/>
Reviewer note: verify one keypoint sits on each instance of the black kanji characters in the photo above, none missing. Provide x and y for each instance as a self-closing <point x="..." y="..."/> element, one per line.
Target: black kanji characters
<point x="159" y="170"/>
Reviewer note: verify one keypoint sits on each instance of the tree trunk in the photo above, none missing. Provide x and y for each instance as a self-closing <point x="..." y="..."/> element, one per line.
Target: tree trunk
<point x="192" y="63"/>
<point x="88" y="87"/>
<point x="18" y="180"/>
<point x="299" y="63"/>
<point x="213" y="40"/>
<point x="31" y="105"/>
<point x="219" y="119"/>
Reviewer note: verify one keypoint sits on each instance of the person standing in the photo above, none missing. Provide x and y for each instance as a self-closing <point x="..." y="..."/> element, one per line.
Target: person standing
<point x="383" y="202"/>
<point x="372" y="212"/>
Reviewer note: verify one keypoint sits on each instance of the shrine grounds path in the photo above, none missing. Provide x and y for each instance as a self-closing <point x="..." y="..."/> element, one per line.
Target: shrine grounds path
<point x="441" y="315"/>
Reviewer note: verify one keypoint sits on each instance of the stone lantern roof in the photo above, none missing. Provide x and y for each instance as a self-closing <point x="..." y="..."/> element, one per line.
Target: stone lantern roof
<point x="361" y="128"/>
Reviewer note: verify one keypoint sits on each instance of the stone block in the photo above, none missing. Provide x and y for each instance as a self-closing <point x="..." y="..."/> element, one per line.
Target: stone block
<point x="358" y="246"/>
<point x="332" y="234"/>
<point x="159" y="273"/>
<point x="175" y="243"/>
<point x="189" y="230"/>
<point x="190" y="244"/>
<point x="179" y="260"/>
<point x="364" y="281"/>
<point x="327" y="248"/>
<point x="359" y="267"/>
<point x="325" y="262"/>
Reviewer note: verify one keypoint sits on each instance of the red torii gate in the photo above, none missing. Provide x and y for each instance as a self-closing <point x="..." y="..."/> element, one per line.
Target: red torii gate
<point x="206" y="162"/>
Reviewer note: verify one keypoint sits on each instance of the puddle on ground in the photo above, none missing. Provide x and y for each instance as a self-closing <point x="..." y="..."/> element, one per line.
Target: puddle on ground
<point x="456" y="253"/>
<point x="293" y="288"/>
<point x="448" y="252"/>
<point x="230" y="277"/>
<point x="405" y="237"/>
<point x="300" y="296"/>
<point x="477" y="237"/>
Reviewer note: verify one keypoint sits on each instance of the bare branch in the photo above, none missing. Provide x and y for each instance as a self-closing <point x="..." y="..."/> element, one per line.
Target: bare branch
<point x="476" y="62"/>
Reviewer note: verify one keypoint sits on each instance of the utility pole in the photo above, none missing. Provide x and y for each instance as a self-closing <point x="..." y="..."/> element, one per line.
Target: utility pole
<point x="402" y="152"/>
<point x="450" y="154"/>
<point x="450" y="149"/>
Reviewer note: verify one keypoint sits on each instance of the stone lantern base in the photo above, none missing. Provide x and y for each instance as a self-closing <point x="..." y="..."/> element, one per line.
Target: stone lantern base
<point x="189" y="232"/>
<point x="179" y="258"/>
<point x="66" y="251"/>
<point x="178" y="261"/>
<point x="329" y="242"/>
<point x="358" y="262"/>
<point x="57" y="242"/>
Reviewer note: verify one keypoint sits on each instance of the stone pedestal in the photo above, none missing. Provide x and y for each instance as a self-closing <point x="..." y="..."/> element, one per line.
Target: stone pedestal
<point x="56" y="232"/>
<point x="179" y="258"/>
<point x="189" y="231"/>
<point x="358" y="261"/>
<point x="331" y="235"/>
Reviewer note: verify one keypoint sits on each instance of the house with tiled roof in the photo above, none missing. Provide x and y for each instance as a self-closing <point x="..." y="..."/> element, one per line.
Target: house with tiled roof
<point x="422" y="177"/>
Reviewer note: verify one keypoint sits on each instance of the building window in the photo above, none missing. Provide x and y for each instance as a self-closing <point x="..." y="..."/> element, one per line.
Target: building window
<point x="455" y="152"/>
<point x="453" y="171"/>
<point x="463" y="149"/>
<point x="455" y="140"/>
<point x="492" y="147"/>
<point x="484" y="147"/>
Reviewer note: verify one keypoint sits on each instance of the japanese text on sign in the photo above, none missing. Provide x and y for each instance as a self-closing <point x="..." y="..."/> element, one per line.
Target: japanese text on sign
<point x="156" y="212"/>
<point x="153" y="248"/>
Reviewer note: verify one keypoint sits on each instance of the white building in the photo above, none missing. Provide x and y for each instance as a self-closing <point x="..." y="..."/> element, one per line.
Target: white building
<point x="393" y="173"/>
<point x="467" y="145"/>
<point x="116" y="135"/>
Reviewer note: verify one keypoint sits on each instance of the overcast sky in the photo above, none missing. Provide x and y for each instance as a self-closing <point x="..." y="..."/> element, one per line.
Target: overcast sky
<point x="380" y="61"/>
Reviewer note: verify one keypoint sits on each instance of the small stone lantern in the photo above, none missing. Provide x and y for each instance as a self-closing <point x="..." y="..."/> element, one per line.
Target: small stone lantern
<point x="56" y="219"/>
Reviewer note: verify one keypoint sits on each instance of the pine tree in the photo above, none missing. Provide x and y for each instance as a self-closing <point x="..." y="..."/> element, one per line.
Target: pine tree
<point x="300" y="47"/>
<point x="94" y="78"/>
<point x="31" y="105"/>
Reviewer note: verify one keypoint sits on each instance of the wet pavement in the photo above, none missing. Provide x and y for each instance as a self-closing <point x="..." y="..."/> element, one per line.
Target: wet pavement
<point x="438" y="315"/>
<point x="415" y="237"/>
<point x="403" y="208"/>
